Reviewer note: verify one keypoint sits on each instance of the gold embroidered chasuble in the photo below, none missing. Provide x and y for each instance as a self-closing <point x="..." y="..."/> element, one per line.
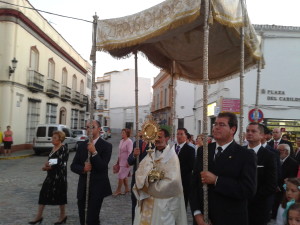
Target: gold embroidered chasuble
<point x="162" y="201"/>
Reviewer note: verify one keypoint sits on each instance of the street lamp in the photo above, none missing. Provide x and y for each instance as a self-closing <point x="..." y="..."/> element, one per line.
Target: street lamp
<point x="14" y="66"/>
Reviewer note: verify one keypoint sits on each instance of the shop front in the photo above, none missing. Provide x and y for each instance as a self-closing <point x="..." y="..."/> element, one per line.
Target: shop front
<point x="287" y="126"/>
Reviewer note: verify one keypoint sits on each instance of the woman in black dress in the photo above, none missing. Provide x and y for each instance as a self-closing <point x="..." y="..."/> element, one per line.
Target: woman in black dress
<point x="54" y="189"/>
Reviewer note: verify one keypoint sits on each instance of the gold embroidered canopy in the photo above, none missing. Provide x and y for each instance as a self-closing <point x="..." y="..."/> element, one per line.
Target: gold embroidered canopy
<point x="173" y="31"/>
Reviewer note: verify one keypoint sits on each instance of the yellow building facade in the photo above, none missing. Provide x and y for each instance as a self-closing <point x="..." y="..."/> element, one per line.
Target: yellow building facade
<point x="49" y="82"/>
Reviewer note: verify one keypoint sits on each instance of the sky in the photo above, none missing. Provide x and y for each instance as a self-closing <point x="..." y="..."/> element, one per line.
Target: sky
<point x="79" y="34"/>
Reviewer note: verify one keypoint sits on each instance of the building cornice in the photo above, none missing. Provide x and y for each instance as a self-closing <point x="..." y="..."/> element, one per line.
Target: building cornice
<point x="267" y="27"/>
<point x="161" y="78"/>
<point x="11" y="15"/>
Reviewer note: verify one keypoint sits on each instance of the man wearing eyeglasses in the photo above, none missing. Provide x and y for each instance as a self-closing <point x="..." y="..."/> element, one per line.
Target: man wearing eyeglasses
<point x="99" y="188"/>
<point x="231" y="177"/>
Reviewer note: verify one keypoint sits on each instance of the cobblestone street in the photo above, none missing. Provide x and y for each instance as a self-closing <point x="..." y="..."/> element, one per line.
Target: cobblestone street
<point x="20" y="184"/>
<point x="21" y="181"/>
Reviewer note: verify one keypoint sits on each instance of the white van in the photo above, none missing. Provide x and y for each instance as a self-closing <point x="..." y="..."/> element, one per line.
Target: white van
<point x="43" y="133"/>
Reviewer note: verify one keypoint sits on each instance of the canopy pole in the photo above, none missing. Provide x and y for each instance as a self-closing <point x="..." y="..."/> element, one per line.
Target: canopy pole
<point x="173" y="103"/>
<point x="93" y="58"/>
<point x="242" y="75"/>
<point x="205" y="101"/>
<point x="257" y="91"/>
<point x="137" y="145"/>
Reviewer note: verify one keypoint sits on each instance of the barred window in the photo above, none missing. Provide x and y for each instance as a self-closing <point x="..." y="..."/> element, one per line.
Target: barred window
<point x="74" y="118"/>
<point x="51" y="113"/>
<point x="33" y="118"/>
<point x="81" y="121"/>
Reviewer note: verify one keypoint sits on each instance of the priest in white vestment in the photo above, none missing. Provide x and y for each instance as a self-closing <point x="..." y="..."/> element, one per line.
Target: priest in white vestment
<point x="160" y="195"/>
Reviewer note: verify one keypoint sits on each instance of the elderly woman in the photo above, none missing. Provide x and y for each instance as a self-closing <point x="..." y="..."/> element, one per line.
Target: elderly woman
<point x="125" y="148"/>
<point x="54" y="189"/>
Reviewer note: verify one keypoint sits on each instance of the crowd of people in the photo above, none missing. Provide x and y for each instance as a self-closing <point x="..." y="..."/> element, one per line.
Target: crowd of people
<point x="247" y="184"/>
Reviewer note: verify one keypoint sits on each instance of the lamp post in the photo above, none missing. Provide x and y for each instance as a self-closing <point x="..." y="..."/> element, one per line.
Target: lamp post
<point x="14" y="66"/>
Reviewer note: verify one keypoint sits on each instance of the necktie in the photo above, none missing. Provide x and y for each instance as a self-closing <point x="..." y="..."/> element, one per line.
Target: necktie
<point x="275" y="144"/>
<point x="217" y="155"/>
<point x="177" y="149"/>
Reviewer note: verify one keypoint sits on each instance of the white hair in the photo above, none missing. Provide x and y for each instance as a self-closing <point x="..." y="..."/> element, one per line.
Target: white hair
<point x="286" y="147"/>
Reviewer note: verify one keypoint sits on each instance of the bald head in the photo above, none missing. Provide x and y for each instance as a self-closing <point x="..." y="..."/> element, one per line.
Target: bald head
<point x="276" y="134"/>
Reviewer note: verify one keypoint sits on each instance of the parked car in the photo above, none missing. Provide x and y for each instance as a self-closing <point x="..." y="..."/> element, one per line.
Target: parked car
<point x="81" y="135"/>
<point x="107" y="130"/>
<point x="103" y="133"/>
<point x="42" y="141"/>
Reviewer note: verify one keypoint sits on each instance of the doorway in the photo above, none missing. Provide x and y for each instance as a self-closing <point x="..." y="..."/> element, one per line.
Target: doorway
<point x="63" y="115"/>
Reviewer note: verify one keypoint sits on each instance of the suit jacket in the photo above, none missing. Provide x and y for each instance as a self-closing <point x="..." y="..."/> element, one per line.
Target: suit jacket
<point x="277" y="157"/>
<point x="132" y="161"/>
<point x="260" y="205"/>
<point x="271" y="143"/>
<point x="236" y="183"/>
<point x="297" y="156"/>
<point x="186" y="159"/>
<point x="99" y="181"/>
<point x="289" y="168"/>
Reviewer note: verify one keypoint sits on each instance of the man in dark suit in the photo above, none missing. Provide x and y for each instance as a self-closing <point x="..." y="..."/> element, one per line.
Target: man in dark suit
<point x="277" y="140"/>
<point x="231" y="177"/>
<point x="186" y="155"/>
<point x="141" y="153"/>
<point x="297" y="151"/>
<point x="99" y="186"/>
<point x="264" y="143"/>
<point x="289" y="168"/>
<point x="260" y="205"/>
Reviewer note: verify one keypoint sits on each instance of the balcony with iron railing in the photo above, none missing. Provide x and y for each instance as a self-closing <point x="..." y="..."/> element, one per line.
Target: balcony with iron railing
<point x="52" y="89"/>
<point x="75" y="97"/>
<point x="101" y="93"/>
<point x="65" y="94"/>
<point x="83" y="100"/>
<point x="100" y="107"/>
<point x="35" y="81"/>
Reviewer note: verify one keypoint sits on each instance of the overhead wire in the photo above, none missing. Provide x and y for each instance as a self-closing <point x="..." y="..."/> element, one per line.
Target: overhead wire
<point x="38" y="10"/>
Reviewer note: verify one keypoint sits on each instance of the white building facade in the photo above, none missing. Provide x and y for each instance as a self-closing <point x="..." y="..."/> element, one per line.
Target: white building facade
<point x="49" y="82"/>
<point x="116" y="99"/>
<point x="279" y="95"/>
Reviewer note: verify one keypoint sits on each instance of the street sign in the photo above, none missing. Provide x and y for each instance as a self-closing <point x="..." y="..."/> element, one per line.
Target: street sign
<point x="251" y="115"/>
